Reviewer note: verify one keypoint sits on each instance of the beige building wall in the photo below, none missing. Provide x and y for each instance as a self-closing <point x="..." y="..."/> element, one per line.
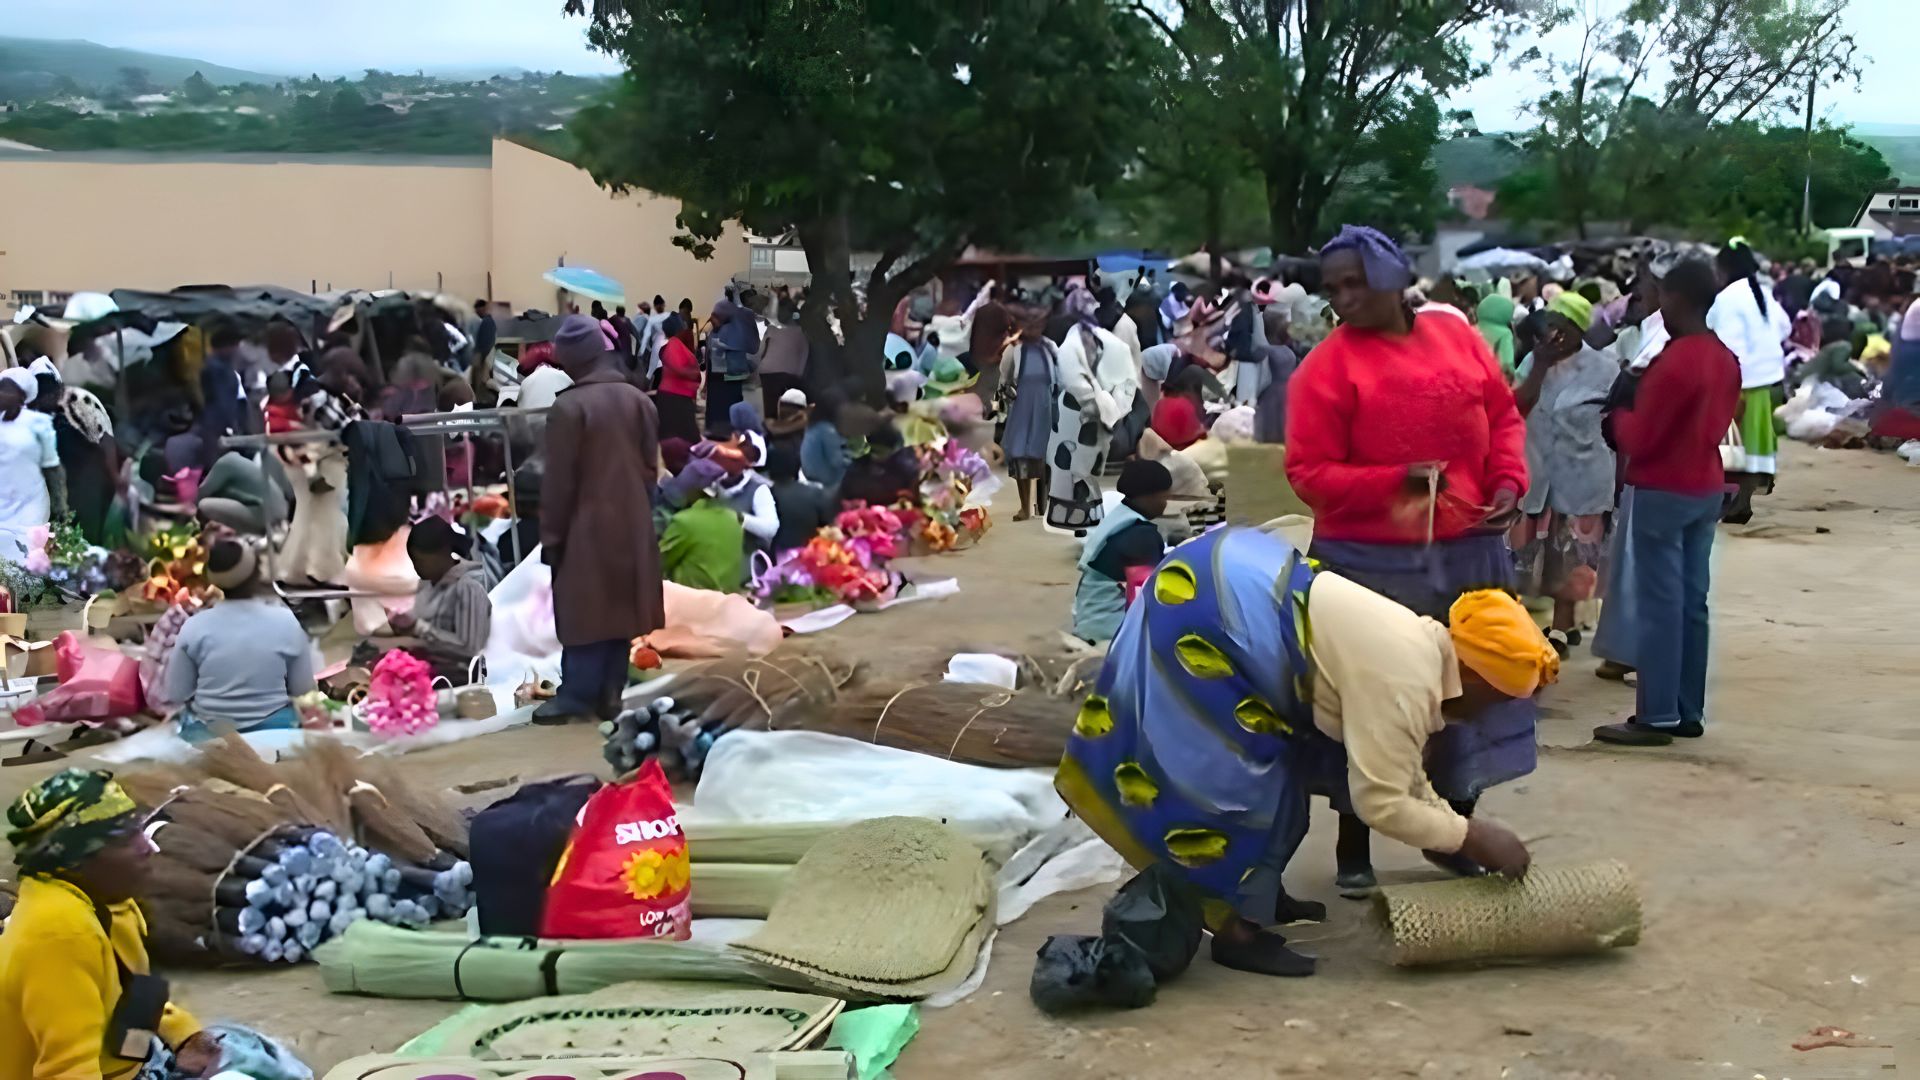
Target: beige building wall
<point x="545" y="210"/>
<point x="101" y="221"/>
<point x="468" y="226"/>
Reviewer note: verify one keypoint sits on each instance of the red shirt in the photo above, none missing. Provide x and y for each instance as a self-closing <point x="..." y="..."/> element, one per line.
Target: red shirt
<point x="1177" y="420"/>
<point x="1681" y="411"/>
<point x="679" y="369"/>
<point x="1365" y="405"/>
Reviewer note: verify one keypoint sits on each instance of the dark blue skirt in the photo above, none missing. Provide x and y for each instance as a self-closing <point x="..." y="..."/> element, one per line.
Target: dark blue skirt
<point x="1463" y="759"/>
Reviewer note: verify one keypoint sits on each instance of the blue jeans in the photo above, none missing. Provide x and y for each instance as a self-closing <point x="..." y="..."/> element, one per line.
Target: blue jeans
<point x="195" y="730"/>
<point x="1672" y="540"/>
<point x="1616" y="637"/>
<point x="592" y="676"/>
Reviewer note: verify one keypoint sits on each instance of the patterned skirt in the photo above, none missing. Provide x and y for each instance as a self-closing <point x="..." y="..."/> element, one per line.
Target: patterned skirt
<point x="1076" y="457"/>
<point x="1559" y="555"/>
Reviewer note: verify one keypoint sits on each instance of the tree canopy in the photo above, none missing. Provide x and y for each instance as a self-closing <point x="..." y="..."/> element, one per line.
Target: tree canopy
<point x="911" y="130"/>
<point x="1316" y="91"/>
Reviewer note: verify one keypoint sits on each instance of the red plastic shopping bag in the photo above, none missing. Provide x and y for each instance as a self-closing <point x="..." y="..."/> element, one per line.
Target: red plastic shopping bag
<point x="95" y="684"/>
<point x="625" y="873"/>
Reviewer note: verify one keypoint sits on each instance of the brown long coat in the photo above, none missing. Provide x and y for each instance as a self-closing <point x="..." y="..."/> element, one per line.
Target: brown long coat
<point x="596" y="510"/>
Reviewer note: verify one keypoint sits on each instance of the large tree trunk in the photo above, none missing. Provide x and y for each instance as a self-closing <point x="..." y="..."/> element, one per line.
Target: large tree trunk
<point x="1294" y="204"/>
<point x="830" y="265"/>
<point x="1213" y="231"/>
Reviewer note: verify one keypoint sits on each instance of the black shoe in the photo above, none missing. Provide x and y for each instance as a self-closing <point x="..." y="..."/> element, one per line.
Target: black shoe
<point x="556" y="712"/>
<point x="1686" y="729"/>
<point x="1290" y="910"/>
<point x="1635" y="733"/>
<point x="1266" y="954"/>
<point x="1356" y="884"/>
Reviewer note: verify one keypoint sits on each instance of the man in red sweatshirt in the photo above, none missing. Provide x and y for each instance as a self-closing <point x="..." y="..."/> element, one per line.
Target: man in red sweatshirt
<point x="1670" y="435"/>
<point x="1404" y="438"/>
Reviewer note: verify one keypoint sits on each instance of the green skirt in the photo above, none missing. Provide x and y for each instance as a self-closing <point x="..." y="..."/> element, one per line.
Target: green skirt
<point x="1759" y="449"/>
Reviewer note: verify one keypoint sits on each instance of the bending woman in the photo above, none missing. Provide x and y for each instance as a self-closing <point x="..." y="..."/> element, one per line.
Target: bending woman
<point x="1238" y="676"/>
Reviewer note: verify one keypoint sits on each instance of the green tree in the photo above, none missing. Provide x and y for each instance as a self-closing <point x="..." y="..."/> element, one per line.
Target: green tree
<point x="1612" y="141"/>
<point x="912" y="130"/>
<point x="198" y="91"/>
<point x="1306" y="82"/>
<point x="1195" y="179"/>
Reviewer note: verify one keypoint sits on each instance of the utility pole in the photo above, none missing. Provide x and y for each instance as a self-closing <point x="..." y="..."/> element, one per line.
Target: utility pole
<point x="1806" y="192"/>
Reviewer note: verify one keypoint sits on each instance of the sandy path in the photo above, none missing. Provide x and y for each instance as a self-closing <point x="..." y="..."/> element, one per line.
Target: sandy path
<point x="1774" y="853"/>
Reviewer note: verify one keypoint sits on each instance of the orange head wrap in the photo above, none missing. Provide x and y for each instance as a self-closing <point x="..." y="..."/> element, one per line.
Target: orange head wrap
<point x="1494" y="635"/>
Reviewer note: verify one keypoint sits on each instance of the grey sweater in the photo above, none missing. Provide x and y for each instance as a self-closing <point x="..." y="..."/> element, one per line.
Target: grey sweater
<point x="240" y="661"/>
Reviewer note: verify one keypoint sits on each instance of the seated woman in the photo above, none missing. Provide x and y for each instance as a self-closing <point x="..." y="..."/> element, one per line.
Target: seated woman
<point x="77" y="997"/>
<point x="1244" y="682"/>
<point x="704" y="544"/>
<point x="242" y="661"/>
<point x="1178" y="417"/>
<point x="884" y="472"/>
<point x="452" y="613"/>
<point x="237" y="493"/>
<point x="1125" y="544"/>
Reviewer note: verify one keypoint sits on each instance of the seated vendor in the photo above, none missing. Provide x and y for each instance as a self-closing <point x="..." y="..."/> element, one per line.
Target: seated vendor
<point x="77" y="996"/>
<point x="1126" y="542"/>
<point x="237" y="493"/>
<point x="787" y="427"/>
<point x="1179" y="417"/>
<point x="703" y="545"/>
<point x="802" y="508"/>
<point x="1246" y="679"/>
<point x="452" y="613"/>
<point x="242" y="661"/>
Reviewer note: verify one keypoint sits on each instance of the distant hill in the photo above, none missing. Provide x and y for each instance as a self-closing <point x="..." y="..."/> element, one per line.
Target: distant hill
<point x="1901" y="151"/>
<point x="28" y="64"/>
<point x="1479" y="160"/>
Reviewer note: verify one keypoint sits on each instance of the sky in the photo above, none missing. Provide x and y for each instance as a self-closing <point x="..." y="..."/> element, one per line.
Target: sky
<point x="342" y="36"/>
<point x="1888" y="93"/>
<point x="336" y="37"/>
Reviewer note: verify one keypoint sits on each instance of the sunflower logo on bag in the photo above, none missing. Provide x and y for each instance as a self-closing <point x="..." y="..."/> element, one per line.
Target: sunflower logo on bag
<point x="652" y="873"/>
<point x="646" y="875"/>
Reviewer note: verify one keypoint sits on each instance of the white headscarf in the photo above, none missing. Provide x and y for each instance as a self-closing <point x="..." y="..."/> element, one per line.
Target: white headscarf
<point x="22" y="378"/>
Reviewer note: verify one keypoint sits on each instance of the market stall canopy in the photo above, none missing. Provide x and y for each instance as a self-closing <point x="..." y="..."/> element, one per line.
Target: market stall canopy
<point x="193" y="303"/>
<point x="588" y="283"/>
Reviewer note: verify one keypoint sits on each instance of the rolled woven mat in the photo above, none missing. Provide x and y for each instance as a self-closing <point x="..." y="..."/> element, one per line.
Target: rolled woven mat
<point x="1555" y="911"/>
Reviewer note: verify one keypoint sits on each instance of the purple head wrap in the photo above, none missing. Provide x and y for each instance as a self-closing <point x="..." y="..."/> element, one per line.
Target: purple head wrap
<point x="1083" y="306"/>
<point x="686" y="485"/>
<point x="1387" y="267"/>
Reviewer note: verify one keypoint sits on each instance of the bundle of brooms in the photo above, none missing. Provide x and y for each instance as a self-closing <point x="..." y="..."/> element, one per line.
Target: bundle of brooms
<point x="796" y="690"/>
<point x="260" y="862"/>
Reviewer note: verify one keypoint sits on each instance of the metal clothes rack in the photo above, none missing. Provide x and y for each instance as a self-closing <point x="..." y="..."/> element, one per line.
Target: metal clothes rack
<point x="463" y="424"/>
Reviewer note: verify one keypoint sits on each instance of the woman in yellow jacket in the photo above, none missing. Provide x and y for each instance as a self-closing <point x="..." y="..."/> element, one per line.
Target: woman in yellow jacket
<point x="77" y="996"/>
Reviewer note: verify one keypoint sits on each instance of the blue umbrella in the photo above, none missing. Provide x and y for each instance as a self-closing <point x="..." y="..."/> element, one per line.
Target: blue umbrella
<point x="588" y="283"/>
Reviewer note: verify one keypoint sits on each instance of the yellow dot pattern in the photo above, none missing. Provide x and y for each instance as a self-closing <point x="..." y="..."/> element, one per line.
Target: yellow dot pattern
<point x="1202" y="658"/>
<point x="1260" y="718"/>
<point x="1194" y="848"/>
<point x="1135" y="786"/>
<point x="1094" y="719"/>
<point x="1175" y="584"/>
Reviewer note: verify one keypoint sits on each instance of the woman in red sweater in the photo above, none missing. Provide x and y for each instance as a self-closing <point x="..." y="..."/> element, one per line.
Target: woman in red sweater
<point x="1404" y="439"/>
<point x="1177" y="415"/>
<point x="1670" y="433"/>
<point x="679" y="384"/>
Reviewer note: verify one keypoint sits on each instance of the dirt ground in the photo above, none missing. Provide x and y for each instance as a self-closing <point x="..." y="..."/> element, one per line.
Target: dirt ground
<point x="1774" y="854"/>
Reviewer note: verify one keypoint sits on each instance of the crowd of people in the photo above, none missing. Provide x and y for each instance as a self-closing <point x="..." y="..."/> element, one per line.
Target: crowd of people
<point x="1467" y="450"/>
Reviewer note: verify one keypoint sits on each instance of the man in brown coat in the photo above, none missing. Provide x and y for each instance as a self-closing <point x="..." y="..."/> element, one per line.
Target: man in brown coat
<point x="596" y="524"/>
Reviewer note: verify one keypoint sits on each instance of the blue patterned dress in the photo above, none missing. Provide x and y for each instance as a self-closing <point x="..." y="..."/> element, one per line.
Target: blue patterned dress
<point x="1197" y="747"/>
